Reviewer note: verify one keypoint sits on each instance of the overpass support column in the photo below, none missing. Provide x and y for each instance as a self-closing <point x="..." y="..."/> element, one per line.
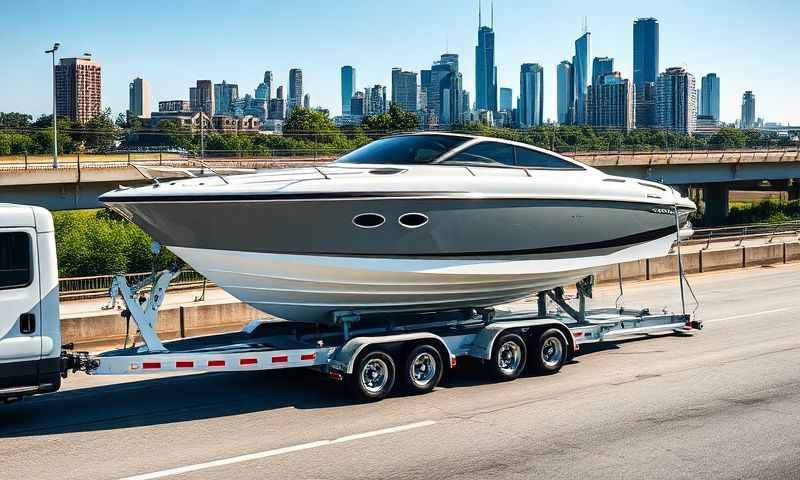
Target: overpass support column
<point x="716" y="199"/>
<point x="793" y="187"/>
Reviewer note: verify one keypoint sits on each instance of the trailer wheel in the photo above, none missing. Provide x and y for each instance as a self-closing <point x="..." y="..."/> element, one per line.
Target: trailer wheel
<point x="422" y="369"/>
<point x="373" y="377"/>
<point x="509" y="355"/>
<point x="551" y="351"/>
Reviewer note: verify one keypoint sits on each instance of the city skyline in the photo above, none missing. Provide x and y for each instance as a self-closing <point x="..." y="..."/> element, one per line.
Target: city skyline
<point x="374" y="51"/>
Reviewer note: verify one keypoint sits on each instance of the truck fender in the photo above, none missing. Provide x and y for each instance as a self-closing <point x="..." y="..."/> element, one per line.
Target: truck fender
<point x="345" y="358"/>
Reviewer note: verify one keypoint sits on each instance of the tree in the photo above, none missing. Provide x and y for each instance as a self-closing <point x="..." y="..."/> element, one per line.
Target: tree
<point x="98" y="133"/>
<point x="15" y="119"/>
<point x="396" y="119"/>
<point x="727" y="138"/>
<point x="311" y="125"/>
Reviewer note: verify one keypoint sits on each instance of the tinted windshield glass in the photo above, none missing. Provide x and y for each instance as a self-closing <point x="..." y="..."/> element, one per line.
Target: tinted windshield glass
<point x="403" y="149"/>
<point x="533" y="159"/>
<point x="485" y="152"/>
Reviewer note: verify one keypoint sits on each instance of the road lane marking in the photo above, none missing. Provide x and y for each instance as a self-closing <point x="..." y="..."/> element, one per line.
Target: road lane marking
<point x="747" y="315"/>
<point x="278" y="451"/>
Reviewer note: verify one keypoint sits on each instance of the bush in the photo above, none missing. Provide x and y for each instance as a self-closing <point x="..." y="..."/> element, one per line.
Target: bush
<point x="100" y="242"/>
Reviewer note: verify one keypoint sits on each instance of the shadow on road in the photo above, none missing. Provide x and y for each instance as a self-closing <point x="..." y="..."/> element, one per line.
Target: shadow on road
<point x="194" y="397"/>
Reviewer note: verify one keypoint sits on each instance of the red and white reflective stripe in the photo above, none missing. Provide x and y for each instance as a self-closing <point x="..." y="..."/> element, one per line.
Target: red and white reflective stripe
<point x="151" y="365"/>
<point x="248" y="361"/>
<point x="216" y="363"/>
<point x="308" y="356"/>
<point x="184" y="364"/>
<point x="280" y="358"/>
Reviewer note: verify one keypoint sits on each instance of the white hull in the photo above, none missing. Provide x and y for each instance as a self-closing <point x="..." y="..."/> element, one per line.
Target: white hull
<point x="308" y="288"/>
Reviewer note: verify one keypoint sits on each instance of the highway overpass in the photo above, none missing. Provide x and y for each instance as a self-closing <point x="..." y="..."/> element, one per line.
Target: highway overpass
<point x="77" y="185"/>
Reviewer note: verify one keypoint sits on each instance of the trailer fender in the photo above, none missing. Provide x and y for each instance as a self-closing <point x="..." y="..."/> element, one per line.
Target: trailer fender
<point x="484" y="342"/>
<point x="345" y="358"/>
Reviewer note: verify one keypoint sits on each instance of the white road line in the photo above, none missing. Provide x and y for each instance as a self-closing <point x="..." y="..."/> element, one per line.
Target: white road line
<point x="278" y="451"/>
<point x="747" y="315"/>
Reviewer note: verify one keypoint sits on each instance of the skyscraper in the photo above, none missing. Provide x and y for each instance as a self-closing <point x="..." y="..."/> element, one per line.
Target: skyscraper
<point x="445" y="97"/>
<point x="348" y="87"/>
<point x="78" y="88"/>
<point x="565" y="91"/>
<point x="295" y="90"/>
<point x="611" y="103"/>
<point x="375" y="99"/>
<point x="357" y="104"/>
<point x="307" y="101"/>
<point x="485" y="69"/>
<point x="404" y="89"/>
<point x="709" y="96"/>
<point x="139" y="98"/>
<point x="676" y="101"/>
<point x="264" y="89"/>
<point x="748" y="110"/>
<point x="580" y="64"/>
<point x="225" y="94"/>
<point x="506" y="99"/>
<point x="201" y="97"/>
<point x="531" y="95"/>
<point x="600" y="67"/>
<point x="645" y="52"/>
<point x="277" y="106"/>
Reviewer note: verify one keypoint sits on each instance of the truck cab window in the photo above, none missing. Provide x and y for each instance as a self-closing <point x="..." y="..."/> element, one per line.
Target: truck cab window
<point x="15" y="260"/>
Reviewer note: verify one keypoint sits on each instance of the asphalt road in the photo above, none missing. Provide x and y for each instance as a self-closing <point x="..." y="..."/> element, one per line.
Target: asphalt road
<point x="723" y="403"/>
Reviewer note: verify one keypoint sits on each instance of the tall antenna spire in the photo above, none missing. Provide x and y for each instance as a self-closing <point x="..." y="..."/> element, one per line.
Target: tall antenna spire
<point x="479" y="15"/>
<point x="492" y="14"/>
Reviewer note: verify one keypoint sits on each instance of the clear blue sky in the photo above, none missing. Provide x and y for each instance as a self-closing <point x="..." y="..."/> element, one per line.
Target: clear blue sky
<point x="751" y="45"/>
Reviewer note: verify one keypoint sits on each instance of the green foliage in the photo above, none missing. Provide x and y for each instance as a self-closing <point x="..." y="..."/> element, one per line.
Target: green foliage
<point x="765" y="211"/>
<point x="100" y="242"/>
<point x="396" y="119"/>
<point x="15" y="143"/>
<point x="727" y="138"/>
<point x="98" y="133"/>
<point x="312" y="126"/>
<point x="15" y="119"/>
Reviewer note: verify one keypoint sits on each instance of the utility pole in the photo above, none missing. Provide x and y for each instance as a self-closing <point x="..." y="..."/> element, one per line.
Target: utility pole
<point x="52" y="51"/>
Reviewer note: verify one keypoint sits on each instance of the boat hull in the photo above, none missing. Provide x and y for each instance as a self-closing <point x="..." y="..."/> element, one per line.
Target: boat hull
<point x="309" y="288"/>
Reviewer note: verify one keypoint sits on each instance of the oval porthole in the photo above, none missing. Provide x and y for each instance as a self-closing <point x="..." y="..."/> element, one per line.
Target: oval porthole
<point x="413" y="220"/>
<point x="368" y="220"/>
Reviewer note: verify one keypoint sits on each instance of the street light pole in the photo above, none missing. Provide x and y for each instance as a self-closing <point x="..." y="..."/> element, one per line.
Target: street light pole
<point x="55" y="118"/>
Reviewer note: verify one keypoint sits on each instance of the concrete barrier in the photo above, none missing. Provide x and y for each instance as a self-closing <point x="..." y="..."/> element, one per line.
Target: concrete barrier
<point x="792" y="251"/>
<point x="722" y="259"/>
<point x="763" y="255"/>
<point x="108" y="329"/>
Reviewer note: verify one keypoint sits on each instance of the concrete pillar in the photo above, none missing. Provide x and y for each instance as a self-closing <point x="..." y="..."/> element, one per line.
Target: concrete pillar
<point x="716" y="197"/>
<point x="793" y="187"/>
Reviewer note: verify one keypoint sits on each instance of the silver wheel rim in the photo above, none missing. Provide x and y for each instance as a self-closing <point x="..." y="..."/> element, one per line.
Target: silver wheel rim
<point x="374" y="375"/>
<point x="509" y="357"/>
<point x="423" y="369"/>
<point x="552" y="352"/>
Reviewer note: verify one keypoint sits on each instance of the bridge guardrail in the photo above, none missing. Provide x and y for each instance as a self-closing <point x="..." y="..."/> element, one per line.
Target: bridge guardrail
<point x="74" y="287"/>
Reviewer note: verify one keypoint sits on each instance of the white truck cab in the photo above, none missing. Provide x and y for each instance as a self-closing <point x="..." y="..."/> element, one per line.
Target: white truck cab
<point x="30" y="332"/>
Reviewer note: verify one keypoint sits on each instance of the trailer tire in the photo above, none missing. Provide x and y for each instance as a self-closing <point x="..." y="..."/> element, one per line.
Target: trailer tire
<point x="422" y="369"/>
<point x="551" y="351"/>
<point x="373" y="377"/>
<point x="509" y="355"/>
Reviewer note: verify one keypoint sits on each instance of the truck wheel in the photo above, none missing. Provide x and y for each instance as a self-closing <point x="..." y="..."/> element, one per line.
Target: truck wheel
<point x="509" y="355"/>
<point x="373" y="377"/>
<point x="551" y="351"/>
<point x="422" y="369"/>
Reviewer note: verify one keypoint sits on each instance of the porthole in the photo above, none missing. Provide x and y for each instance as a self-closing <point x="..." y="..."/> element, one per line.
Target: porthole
<point x="412" y="220"/>
<point x="368" y="220"/>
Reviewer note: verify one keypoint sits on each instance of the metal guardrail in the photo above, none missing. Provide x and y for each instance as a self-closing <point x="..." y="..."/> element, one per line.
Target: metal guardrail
<point x="79" y="286"/>
<point x="741" y="233"/>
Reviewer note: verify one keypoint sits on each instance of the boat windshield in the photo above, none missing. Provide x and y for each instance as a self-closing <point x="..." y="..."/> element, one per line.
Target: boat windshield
<point x="404" y="149"/>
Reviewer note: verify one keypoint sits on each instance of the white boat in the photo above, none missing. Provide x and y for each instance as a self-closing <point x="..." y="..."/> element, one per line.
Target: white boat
<point x="419" y="222"/>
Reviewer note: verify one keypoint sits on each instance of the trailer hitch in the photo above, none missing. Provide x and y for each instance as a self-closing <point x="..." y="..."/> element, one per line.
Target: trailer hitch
<point x="76" y="361"/>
